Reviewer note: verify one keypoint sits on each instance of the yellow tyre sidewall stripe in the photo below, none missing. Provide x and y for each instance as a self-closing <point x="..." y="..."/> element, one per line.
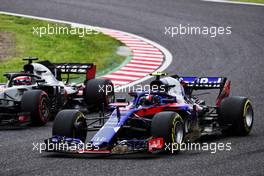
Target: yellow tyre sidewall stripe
<point x="247" y="105"/>
<point x="176" y="119"/>
<point x="80" y="115"/>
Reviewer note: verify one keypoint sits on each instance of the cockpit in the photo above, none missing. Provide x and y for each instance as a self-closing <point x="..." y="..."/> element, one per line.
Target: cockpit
<point x="171" y="86"/>
<point x="149" y="100"/>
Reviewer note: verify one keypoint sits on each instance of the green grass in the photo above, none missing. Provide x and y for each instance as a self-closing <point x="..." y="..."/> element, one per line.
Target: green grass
<point x="96" y="48"/>
<point x="255" y="1"/>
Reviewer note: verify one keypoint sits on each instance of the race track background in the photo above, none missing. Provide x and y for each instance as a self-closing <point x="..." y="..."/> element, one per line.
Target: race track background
<point x="238" y="56"/>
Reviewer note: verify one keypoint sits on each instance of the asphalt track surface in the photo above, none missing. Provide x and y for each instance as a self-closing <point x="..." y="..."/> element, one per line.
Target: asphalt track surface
<point x="238" y="56"/>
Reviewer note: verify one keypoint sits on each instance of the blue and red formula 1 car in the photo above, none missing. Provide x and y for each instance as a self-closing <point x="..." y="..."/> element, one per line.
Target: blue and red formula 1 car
<point x="168" y="113"/>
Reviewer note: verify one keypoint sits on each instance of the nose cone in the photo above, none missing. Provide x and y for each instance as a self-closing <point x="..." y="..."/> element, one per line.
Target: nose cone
<point x="11" y="93"/>
<point x="2" y="90"/>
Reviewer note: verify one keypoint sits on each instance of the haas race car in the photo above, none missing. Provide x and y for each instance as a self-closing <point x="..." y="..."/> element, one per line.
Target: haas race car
<point x="168" y="113"/>
<point x="37" y="93"/>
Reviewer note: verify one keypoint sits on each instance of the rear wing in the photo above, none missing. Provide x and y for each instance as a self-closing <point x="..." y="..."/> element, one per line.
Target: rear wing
<point x="71" y="68"/>
<point x="203" y="83"/>
<point x="199" y="83"/>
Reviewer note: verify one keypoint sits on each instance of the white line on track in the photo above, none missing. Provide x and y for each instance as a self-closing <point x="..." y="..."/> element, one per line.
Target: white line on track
<point x="235" y="2"/>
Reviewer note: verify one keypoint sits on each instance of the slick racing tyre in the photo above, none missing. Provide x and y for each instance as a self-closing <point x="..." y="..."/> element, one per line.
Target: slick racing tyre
<point x="168" y="125"/>
<point x="37" y="103"/>
<point x="71" y="124"/>
<point x="99" y="93"/>
<point x="237" y="112"/>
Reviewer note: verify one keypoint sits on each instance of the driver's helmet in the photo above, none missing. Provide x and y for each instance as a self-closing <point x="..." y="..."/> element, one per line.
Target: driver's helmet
<point x="149" y="99"/>
<point x="22" y="80"/>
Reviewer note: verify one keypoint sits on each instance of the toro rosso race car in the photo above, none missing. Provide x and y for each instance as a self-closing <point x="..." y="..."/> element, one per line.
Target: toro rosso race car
<point x="39" y="92"/>
<point x="168" y="113"/>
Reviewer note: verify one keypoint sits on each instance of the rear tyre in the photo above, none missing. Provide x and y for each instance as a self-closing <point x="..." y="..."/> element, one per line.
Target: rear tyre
<point x="237" y="112"/>
<point x="70" y="124"/>
<point x="37" y="103"/>
<point x="168" y="125"/>
<point x="98" y="93"/>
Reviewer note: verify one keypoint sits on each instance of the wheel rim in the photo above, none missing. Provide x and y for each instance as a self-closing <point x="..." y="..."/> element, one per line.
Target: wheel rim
<point x="249" y="116"/>
<point x="80" y="126"/>
<point x="44" y="110"/>
<point x="178" y="129"/>
<point x="187" y="125"/>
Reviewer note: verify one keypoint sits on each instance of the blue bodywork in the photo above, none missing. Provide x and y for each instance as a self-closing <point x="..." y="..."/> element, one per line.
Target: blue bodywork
<point x="118" y="118"/>
<point x="111" y="127"/>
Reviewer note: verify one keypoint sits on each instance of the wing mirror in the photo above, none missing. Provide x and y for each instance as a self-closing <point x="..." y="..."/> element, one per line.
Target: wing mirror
<point x="40" y="81"/>
<point x="40" y="72"/>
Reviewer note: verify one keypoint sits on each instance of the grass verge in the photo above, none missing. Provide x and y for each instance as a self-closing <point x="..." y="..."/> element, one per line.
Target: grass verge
<point x="94" y="48"/>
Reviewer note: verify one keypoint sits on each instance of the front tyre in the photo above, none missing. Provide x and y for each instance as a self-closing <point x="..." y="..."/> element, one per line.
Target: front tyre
<point x="70" y="124"/>
<point x="37" y="103"/>
<point x="168" y="125"/>
<point x="237" y="112"/>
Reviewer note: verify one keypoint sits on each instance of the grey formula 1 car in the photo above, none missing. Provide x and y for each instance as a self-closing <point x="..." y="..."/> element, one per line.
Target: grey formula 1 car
<point x="37" y="93"/>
